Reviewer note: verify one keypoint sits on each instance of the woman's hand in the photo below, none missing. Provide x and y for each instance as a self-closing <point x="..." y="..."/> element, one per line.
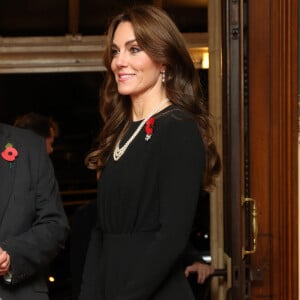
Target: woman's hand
<point x="202" y="270"/>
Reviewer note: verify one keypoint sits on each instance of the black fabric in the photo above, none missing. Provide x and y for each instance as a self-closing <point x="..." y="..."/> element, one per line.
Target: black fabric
<point x="151" y="193"/>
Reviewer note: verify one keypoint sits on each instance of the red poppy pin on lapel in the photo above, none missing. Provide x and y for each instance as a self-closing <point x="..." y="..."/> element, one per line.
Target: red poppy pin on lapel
<point x="9" y="153"/>
<point x="149" y="128"/>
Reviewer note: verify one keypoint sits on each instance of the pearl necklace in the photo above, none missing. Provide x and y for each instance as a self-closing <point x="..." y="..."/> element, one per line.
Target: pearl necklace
<point x="118" y="152"/>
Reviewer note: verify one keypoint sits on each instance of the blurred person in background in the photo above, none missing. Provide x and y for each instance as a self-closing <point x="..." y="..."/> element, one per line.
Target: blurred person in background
<point x="33" y="224"/>
<point x="42" y="125"/>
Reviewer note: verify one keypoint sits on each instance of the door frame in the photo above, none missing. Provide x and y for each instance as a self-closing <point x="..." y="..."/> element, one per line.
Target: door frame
<point x="234" y="137"/>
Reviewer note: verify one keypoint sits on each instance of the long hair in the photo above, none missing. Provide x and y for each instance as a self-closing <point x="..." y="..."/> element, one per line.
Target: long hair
<point x="160" y="38"/>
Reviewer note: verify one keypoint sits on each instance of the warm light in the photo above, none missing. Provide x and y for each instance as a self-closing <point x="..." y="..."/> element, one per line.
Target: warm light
<point x="51" y="279"/>
<point x="200" y="57"/>
<point x="205" y="60"/>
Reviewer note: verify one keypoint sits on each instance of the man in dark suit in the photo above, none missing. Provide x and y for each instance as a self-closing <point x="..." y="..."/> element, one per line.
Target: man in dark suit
<point x="33" y="224"/>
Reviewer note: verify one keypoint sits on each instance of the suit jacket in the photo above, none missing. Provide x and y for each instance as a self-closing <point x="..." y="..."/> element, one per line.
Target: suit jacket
<point x="33" y="224"/>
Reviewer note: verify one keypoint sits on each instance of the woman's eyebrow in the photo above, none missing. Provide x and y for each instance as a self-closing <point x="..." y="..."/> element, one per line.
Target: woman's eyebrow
<point x="126" y="44"/>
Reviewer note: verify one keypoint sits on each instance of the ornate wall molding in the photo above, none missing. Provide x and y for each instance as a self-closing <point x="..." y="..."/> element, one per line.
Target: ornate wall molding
<point x="70" y="53"/>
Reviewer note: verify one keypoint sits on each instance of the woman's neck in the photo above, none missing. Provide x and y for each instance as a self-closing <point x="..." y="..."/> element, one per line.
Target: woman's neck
<point x="142" y="108"/>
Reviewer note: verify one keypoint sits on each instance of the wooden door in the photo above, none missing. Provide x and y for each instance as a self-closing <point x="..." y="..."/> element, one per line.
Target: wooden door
<point x="273" y="64"/>
<point x="260" y="147"/>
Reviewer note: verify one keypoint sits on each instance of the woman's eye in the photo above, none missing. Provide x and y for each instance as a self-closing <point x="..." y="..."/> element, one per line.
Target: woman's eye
<point x="114" y="52"/>
<point x="135" y="49"/>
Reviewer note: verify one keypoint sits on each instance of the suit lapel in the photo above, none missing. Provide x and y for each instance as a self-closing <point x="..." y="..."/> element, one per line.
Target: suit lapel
<point x="7" y="171"/>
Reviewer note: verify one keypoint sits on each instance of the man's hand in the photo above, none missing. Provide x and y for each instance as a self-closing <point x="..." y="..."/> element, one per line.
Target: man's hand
<point x="202" y="270"/>
<point x="4" y="262"/>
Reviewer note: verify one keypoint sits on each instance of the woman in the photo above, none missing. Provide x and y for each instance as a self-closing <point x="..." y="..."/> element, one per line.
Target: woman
<point x="155" y="154"/>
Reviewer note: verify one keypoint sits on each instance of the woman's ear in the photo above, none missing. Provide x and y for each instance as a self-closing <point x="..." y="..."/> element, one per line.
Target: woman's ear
<point x="162" y="68"/>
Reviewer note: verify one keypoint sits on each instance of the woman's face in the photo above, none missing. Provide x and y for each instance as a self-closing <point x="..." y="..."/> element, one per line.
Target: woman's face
<point x="135" y="72"/>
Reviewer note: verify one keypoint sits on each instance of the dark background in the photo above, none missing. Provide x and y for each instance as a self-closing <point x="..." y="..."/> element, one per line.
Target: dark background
<point x="72" y="100"/>
<point x="51" y="17"/>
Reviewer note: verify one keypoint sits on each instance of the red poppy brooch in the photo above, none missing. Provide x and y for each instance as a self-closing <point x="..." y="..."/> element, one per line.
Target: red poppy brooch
<point x="149" y="128"/>
<point x="9" y="153"/>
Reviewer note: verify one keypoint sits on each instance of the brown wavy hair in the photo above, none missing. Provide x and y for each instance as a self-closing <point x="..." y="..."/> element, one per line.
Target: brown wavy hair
<point x="159" y="37"/>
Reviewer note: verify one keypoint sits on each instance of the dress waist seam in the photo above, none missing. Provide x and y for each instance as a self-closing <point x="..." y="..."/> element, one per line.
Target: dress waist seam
<point x="128" y="235"/>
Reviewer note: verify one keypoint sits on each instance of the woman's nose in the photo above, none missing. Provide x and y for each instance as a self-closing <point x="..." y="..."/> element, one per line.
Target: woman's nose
<point x="121" y="59"/>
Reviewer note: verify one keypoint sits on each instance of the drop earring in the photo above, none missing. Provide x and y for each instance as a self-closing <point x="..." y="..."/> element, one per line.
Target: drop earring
<point x="163" y="76"/>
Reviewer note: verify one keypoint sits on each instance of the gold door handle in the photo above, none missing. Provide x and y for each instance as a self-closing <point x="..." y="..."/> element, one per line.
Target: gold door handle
<point x="254" y="226"/>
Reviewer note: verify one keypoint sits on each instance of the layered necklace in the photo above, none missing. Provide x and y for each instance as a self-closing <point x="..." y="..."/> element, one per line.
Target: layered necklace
<point x="118" y="152"/>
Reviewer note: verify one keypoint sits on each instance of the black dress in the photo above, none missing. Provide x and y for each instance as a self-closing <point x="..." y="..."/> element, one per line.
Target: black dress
<point x="146" y="206"/>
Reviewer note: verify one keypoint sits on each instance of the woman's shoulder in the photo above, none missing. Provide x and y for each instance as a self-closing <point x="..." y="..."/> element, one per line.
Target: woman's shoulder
<point x="176" y="127"/>
<point x="175" y="116"/>
<point x="178" y="132"/>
